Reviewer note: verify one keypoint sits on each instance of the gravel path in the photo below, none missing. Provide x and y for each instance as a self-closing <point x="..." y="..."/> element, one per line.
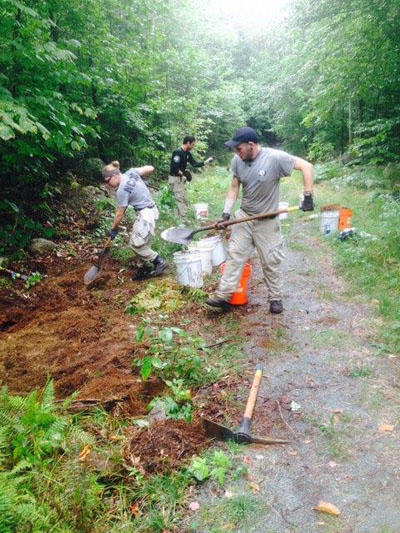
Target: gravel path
<point x="322" y="353"/>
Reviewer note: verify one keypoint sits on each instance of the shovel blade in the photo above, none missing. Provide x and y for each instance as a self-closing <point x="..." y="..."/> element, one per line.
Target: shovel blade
<point x="91" y="274"/>
<point x="177" y="235"/>
<point x="217" y="431"/>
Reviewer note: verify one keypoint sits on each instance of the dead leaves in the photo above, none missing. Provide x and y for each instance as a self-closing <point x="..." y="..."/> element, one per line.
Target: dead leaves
<point x="386" y="428"/>
<point x="327" y="508"/>
<point x="255" y="487"/>
<point x="84" y="453"/>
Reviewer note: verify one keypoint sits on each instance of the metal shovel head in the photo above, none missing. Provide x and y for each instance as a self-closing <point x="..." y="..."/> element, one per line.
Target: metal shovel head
<point x="91" y="274"/>
<point x="217" y="431"/>
<point x="177" y="235"/>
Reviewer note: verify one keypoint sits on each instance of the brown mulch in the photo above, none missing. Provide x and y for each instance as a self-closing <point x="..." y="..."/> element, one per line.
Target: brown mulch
<point x="165" y="446"/>
<point x="330" y="207"/>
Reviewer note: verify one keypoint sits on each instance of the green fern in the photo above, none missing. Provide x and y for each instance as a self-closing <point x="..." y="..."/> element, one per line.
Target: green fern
<point x="49" y="397"/>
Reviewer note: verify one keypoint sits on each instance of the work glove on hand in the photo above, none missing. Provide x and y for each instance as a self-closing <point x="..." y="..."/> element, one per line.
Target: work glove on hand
<point x="224" y="218"/>
<point x="308" y="202"/>
<point x="188" y="175"/>
<point x="113" y="233"/>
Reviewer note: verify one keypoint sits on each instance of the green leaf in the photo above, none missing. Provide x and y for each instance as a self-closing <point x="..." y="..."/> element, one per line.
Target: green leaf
<point x="6" y="133"/>
<point x="146" y="368"/>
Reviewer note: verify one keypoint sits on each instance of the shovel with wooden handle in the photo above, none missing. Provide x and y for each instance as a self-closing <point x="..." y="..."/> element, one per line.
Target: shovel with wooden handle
<point x="94" y="271"/>
<point x="243" y="434"/>
<point x="185" y="235"/>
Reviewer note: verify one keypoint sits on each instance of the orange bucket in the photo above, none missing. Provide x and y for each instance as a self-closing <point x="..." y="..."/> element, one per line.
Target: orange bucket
<point x="240" y="296"/>
<point x="345" y="216"/>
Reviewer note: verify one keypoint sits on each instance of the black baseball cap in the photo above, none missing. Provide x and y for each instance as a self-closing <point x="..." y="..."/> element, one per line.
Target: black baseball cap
<point x="244" y="135"/>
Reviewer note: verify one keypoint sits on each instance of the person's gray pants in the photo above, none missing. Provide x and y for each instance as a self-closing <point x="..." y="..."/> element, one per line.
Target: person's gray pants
<point x="265" y="236"/>
<point x="178" y="185"/>
<point x="141" y="237"/>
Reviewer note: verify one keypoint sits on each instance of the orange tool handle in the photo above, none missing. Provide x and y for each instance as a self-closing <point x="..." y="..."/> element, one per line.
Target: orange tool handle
<point x="253" y="392"/>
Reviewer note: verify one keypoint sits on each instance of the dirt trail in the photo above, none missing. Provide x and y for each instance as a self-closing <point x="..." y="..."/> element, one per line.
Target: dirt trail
<point x="322" y="354"/>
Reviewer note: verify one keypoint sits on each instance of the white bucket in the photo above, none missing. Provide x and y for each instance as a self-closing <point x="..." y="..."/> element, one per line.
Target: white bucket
<point x="188" y="267"/>
<point x="283" y="205"/>
<point x="218" y="252"/>
<point x="201" y="210"/>
<point x="329" y="222"/>
<point x="205" y="249"/>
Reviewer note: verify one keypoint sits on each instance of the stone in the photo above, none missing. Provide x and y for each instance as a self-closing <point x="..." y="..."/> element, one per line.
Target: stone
<point x="41" y="246"/>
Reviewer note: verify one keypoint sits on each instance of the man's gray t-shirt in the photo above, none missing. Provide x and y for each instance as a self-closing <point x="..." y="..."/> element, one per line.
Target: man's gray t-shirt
<point x="133" y="191"/>
<point x="260" y="179"/>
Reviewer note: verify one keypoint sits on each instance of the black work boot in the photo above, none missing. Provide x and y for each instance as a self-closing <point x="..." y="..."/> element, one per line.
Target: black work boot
<point x="218" y="302"/>
<point x="142" y="273"/>
<point x="275" y="307"/>
<point x="160" y="265"/>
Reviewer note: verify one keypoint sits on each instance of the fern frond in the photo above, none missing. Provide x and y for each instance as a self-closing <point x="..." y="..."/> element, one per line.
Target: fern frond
<point x="49" y="397"/>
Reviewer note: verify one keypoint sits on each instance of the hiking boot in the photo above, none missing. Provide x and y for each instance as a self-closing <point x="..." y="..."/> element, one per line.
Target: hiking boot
<point x="276" y="307"/>
<point x="160" y="265"/>
<point x="218" y="302"/>
<point x="142" y="273"/>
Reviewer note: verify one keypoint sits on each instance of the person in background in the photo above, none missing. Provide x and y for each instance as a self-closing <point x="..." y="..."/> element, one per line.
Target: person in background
<point x="179" y="175"/>
<point x="132" y="191"/>
<point x="258" y="170"/>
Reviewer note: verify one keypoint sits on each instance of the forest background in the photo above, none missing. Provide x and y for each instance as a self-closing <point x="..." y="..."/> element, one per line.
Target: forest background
<point x="127" y="79"/>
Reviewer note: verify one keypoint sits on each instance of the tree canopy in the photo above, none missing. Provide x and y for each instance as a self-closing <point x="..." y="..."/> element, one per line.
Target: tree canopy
<point x="128" y="79"/>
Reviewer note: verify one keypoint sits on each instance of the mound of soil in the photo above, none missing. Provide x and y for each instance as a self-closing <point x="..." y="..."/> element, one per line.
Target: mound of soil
<point x="77" y="337"/>
<point x="165" y="446"/>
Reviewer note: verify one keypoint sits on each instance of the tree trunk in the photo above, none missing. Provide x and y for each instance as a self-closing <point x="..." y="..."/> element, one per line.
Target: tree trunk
<point x="350" y="125"/>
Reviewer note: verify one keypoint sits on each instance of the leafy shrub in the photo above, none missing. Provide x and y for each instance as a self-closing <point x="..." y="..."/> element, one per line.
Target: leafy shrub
<point x="174" y="354"/>
<point x="213" y="465"/>
<point x="321" y="151"/>
<point x="377" y="141"/>
<point x="178" y="405"/>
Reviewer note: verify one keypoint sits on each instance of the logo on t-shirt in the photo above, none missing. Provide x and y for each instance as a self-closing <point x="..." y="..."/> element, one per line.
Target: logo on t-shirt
<point x="177" y="159"/>
<point x="262" y="173"/>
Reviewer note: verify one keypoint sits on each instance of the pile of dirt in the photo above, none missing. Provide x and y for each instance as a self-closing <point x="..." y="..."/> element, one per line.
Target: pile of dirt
<point x="165" y="446"/>
<point x="63" y="331"/>
<point x="330" y="207"/>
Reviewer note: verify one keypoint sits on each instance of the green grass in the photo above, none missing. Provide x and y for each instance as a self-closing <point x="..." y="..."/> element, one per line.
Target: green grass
<point x="363" y="371"/>
<point x="224" y="515"/>
<point x="334" y="433"/>
<point x="371" y="264"/>
<point x="329" y="338"/>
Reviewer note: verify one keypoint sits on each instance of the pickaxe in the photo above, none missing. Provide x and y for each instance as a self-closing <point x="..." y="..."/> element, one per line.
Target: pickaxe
<point x="242" y="435"/>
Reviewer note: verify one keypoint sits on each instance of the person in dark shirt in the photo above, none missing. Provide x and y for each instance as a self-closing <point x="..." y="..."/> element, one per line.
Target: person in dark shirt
<point x="177" y="178"/>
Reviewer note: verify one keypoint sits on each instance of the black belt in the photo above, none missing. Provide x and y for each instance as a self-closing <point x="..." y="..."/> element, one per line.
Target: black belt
<point x="264" y="218"/>
<point x="137" y="209"/>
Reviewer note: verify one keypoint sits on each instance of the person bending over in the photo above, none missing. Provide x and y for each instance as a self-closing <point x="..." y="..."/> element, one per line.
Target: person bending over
<point x="132" y="191"/>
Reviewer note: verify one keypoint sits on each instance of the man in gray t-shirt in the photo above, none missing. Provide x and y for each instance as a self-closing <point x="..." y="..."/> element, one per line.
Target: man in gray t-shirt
<point x="258" y="170"/>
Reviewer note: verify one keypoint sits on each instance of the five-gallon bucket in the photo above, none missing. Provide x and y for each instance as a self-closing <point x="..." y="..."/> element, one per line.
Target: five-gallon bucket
<point x="219" y="252"/>
<point x="188" y="267"/>
<point x="283" y="205"/>
<point x="345" y="217"/>
<point x="240" y="296"/>
<point x="329" y="221"/>
<point x="205" y="248"/>
<point x="201" y="210"/>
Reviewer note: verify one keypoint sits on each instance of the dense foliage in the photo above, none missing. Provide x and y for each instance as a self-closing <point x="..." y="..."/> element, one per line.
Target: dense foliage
<point x="126" y="80"/>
